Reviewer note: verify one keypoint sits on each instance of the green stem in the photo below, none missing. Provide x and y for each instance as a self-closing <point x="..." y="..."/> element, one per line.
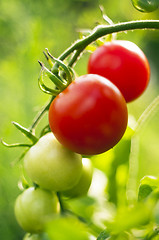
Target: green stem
<point x="147" y="115"/>
<point x="131" y="188"/>
<point x="94" y="229"/>
<point x="153" y="234"/>
<point x="40" y="114"/>
<point x="75" y="57"/>
<point x="103" y="30"/>
<point x="62" y="209"/>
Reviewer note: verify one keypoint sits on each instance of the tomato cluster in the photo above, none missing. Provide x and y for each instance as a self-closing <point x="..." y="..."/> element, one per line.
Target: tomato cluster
<point x="88" y="117"/>
<point x="53" y="168"/>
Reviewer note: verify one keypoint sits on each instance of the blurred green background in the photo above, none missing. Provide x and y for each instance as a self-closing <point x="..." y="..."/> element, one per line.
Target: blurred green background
<point x="26" y="28"/>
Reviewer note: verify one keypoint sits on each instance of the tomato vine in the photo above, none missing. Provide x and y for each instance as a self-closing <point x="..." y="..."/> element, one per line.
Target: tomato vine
<point x="102" y="30"/>
<point x="61" y="74"/>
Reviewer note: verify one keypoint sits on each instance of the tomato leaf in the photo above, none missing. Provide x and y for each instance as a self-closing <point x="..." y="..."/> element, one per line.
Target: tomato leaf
<point x="70" y="227"/>
<point x="103" y="235"/>
<point x="136" y="216"/>
<point x="121" y="158"/>
<point x="147" y="185"/>
<point x="128" y="218"/>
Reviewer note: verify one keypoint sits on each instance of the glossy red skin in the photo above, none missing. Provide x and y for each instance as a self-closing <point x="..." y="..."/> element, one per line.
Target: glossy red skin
<point x="124" y="64"/>
<point x="89" y="116"/>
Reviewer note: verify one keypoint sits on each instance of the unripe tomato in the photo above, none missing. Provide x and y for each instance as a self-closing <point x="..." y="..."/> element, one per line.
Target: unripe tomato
<point x="89" y="116"/>
<point x="52" y="166"/>
<point x="124" y="64"/>
<point x="33" y="207"/>
<point x="82" y="187"/>
<point x="146" y="5"/>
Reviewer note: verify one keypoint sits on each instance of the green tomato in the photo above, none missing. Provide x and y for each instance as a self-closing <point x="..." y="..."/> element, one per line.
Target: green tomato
<point x="52" y="166"/>
<point x="34" y="207"/>
<point x="82" y="187"/>
<point x="29" y="236"/>
<point x="146" y="5"/>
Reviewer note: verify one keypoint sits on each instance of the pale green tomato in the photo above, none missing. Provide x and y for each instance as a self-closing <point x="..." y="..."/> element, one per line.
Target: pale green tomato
<point x="82" y="187"/>
<point x="146" y="5"/>
<point x="52" y="166"/>
<point x="29" y="236"/>
<point x="34" y="207"/>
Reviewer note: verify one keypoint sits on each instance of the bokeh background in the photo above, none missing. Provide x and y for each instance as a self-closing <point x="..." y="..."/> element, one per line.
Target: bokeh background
<point x="26" y="28"/>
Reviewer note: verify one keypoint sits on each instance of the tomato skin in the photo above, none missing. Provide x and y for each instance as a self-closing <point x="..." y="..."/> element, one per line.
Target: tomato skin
<point x="52" y="166"/>
<point x="82" y="187"/>
<point x="89" y="116"/>
<point x="145" y="5"/>
<point x="124" y="64"/>
<point x="33" y="207"/>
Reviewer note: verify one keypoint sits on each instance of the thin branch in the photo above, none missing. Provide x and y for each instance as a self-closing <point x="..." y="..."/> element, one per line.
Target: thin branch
<point x="103" y="30"/>
<point x="40" y="114"/>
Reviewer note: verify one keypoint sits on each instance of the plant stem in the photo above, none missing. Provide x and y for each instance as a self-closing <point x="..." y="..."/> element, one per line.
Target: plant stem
<point x="103" y="30"/>
<point x="62" y="209"/>
<point x="75" y="57"/>
<point x="147" y="115"/>
<point x="131" y="188"/>
<point x="40" y="114"/>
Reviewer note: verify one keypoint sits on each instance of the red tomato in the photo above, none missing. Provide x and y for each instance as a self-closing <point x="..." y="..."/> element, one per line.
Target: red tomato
<point x="89" y="116"/>
<point x="124" y="64"/>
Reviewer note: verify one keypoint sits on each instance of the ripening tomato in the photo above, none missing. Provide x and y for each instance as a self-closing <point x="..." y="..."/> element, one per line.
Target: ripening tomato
<point x="51" y="165"/>
<point x="35" y="206"/>
<point x="82" y="187"/>
<point x="124" y="64"/>
<point x="89" y="116"/>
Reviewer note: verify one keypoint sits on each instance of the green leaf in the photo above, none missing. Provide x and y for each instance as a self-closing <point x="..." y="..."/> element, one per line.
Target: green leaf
<point x="144" y="192"/>
<point x="147" y="185"/>
<point x="66" y="228"/>
<point x="103" y="235"/>
<point x="131" y="217"/>
<point x="122" y="149"/>
<point x="122" y="236"/>
<point x="83" y="207"/>
<point x="121" y="158"/>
